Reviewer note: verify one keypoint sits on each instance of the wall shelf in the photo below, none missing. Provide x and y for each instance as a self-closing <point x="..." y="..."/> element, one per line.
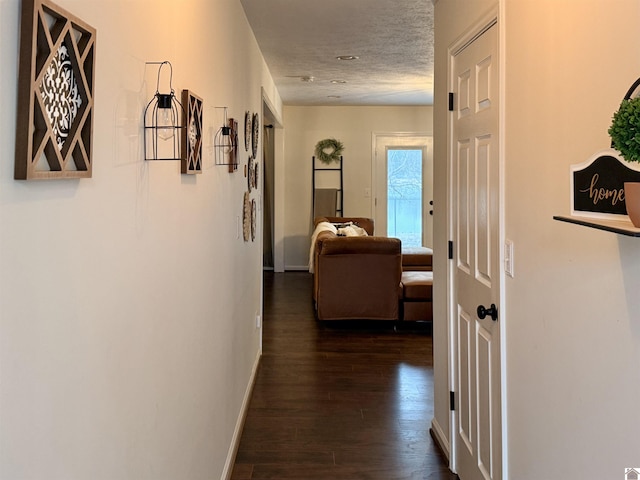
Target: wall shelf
<point x="622" y="227"/>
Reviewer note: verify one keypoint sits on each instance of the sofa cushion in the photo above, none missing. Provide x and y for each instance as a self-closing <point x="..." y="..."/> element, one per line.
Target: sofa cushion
<point x="417" y="258"/>
<point x="352" y="230"/>
<point x="363" y="222"/>
<point x="417" y="285"/>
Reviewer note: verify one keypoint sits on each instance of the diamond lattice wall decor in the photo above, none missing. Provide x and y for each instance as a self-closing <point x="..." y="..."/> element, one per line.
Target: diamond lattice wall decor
<point x="192" y="134"/>
<point x="55" y="94"/>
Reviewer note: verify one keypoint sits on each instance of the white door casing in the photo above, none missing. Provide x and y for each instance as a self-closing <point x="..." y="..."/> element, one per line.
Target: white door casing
<point x="476" y="273"/>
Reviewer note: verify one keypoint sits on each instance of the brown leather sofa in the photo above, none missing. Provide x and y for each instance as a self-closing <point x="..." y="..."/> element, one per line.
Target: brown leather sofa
<point x="356" y="277"/>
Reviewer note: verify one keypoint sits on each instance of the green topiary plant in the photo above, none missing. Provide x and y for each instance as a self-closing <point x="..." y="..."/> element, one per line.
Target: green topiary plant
<point x="625" y="129"/>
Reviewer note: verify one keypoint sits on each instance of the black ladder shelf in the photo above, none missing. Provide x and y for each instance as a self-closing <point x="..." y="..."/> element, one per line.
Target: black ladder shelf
<point x="319" y="170"/>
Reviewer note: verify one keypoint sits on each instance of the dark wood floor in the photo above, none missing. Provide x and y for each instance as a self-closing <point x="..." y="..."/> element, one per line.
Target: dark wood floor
<point x="337" y="401"/>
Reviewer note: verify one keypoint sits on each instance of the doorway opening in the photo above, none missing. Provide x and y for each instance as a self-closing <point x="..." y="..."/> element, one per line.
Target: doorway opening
<point x="268" y="183"/>
<point x="272" y="179"/>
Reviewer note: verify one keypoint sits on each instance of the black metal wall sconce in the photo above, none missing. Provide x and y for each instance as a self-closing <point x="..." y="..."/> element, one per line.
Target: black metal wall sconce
<point x="162" y="122"/>
<point x="226" y="143"/>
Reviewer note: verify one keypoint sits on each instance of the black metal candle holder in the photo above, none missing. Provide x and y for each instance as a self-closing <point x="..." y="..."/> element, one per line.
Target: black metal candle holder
<point x="162" y="122"/>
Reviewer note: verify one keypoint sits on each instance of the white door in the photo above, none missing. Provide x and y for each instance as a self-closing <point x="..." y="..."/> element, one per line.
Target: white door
<point x="476" y="263"/>
<point x="386" y="205"/>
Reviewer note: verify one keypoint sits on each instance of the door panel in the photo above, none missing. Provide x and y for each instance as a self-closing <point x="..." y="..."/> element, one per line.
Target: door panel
<point x="476" y="196"/>
<point x="484" y="402"/>
<point x="465" y="379"/>
<point x="463" y="210"/>
<point x="483" y="212"/>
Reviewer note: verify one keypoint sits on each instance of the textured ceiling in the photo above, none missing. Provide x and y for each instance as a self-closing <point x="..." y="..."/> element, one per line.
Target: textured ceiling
<point x="302" y="38"/>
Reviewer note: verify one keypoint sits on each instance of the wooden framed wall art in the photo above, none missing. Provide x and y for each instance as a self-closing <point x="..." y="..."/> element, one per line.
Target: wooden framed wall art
<point x="192" y="134"/>
<point x="233" y="154"/>
<point x="55" y="94"/>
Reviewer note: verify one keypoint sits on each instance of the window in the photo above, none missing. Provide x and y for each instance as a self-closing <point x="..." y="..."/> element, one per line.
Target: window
<point x="404" y="195"/>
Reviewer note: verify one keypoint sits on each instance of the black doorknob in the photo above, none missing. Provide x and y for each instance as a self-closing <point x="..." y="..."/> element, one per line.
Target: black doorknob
<point x="492" y="311"/>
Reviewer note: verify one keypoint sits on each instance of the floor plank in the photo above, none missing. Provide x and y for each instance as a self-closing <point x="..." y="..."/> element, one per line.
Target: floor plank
<point x="338" y="400"/>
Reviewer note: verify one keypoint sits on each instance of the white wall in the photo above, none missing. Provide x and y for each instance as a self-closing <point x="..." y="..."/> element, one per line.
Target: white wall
<point x="127" y="304"/>
<point x="573" y="379"/>
<point x="572" y="321"/>
<point x="353" y="126"/>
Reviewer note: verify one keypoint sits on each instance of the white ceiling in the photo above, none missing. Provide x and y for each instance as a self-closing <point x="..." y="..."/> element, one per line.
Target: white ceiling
<point x="302" y="38"/>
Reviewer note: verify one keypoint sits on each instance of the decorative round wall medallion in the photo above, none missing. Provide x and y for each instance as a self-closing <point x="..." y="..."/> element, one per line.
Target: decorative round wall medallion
<point x="255" y="135"/>
<point x="247" y="130"/>
<point x="250" y="174"/>
<point x="253" y="220"/>
<point x="255" y="175"/>
<point x="246" y="217"/>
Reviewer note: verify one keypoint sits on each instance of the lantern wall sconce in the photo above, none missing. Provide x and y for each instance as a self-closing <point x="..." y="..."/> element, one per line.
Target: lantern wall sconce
<point x="226" y="143"/>
<point x="162" y="117"/>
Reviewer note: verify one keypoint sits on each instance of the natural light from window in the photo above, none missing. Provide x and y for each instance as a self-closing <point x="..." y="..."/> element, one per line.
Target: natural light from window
<point x="404" y="196"/>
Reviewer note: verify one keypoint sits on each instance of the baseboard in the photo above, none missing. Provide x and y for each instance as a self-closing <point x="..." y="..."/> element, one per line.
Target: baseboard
<point x="296" y="268"/>
<point x="237" y="433"/>
<point x="441" y="439"/>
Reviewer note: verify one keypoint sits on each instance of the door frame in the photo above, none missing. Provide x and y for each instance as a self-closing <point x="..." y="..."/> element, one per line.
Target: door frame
<point x="271" y="113"/>
<point x="494" y="17"/>
<point x="427" y="169"/>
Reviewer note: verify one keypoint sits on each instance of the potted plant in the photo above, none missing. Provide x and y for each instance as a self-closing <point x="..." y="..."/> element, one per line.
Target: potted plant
<point x="625" y="137"/>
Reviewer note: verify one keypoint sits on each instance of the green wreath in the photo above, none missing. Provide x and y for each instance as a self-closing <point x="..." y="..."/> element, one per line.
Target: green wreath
<point x="625" y="130"/>
<point x="329" y="150"/>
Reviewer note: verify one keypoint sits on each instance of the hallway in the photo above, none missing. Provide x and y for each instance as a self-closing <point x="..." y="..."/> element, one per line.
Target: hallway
<point x="337" y="401"/>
